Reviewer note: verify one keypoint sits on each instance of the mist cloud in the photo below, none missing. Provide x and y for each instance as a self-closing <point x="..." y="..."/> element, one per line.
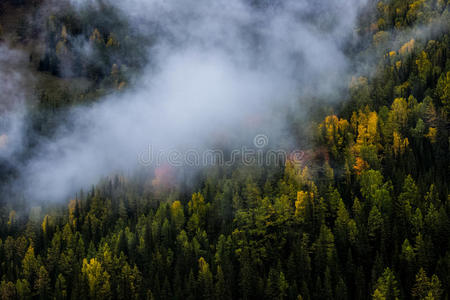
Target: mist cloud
<point x="214" y="65"/>
<point x="14" y="91"/>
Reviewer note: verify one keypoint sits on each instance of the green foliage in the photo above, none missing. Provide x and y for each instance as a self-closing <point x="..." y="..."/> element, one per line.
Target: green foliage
<point x="366" y="215"/>
<point x="387" y="286"/>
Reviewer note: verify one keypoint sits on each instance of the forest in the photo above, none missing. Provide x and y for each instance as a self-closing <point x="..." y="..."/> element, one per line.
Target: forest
<point x="365" y="214"/>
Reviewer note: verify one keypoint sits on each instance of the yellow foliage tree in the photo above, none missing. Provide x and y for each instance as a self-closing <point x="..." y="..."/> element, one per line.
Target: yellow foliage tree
<point x="300" y="204"/>
<point x="97" y="278"/>
<point x="398" y="116"/>
<point x="360" y="165"/>
<point x="334" y="131"/>
<point x="423" y="65"/>
<point x="177" y="213"/>
<point x="30" y="264"/>
<point x="64" y="34"/>
<point x="399" y="145"/>
<point x="96" y="36"/>
<point x="407" y="47"/>
<point x="367" y="131"/>
<point x="432" y="131"/>
<point x="73" y="211"/>
<point x="12" y="218"/>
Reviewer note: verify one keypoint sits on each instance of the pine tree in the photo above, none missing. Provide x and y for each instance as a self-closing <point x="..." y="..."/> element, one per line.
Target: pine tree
<point x="387" y="286"/>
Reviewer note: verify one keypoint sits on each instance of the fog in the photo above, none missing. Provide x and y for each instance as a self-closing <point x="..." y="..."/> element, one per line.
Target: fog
<point x="214" y="66"/>
<point x="13" y="95"/>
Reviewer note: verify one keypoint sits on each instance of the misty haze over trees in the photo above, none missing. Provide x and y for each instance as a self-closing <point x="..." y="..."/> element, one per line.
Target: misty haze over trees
<point x="360" y="89"/>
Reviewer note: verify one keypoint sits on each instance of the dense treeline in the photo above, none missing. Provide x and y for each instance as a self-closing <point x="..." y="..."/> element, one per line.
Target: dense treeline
<point x="367" y="217"/>
<point x="87" y="54"/>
